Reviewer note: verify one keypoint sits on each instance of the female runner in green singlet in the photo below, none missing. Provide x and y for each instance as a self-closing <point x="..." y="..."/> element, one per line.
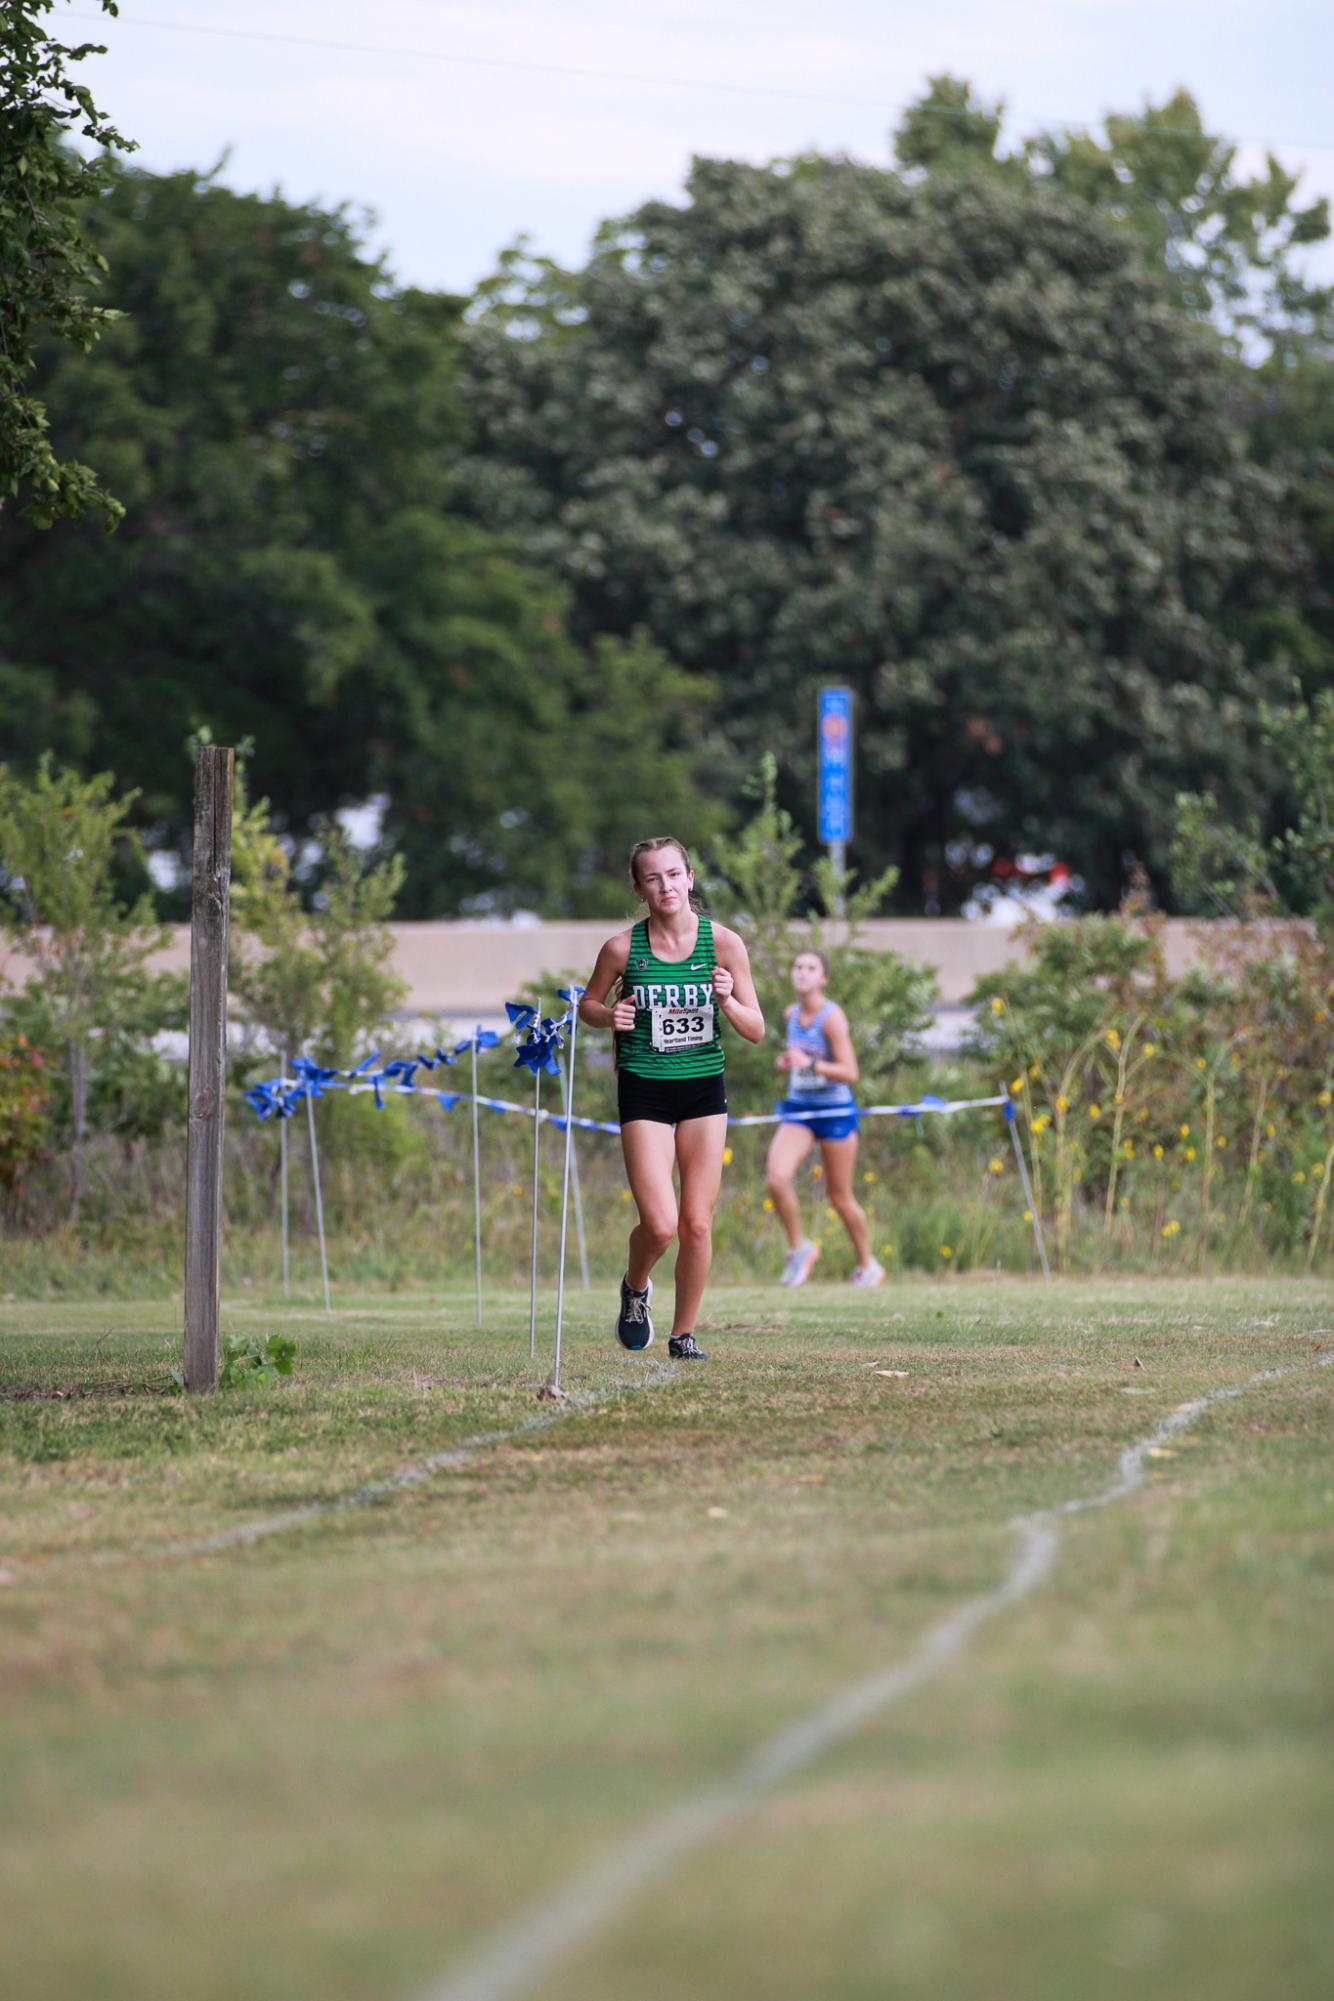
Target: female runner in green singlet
<point x="660" y="985"/>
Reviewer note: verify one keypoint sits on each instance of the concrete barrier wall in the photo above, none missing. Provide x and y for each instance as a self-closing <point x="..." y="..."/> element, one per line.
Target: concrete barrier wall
<point x="462" y="970"/>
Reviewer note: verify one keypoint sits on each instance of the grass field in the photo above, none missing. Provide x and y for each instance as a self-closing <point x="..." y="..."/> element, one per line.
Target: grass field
<point x="338" y="1761"/>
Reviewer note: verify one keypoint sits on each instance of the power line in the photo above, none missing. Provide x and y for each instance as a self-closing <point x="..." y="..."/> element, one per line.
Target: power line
<point x="517" y="65"/>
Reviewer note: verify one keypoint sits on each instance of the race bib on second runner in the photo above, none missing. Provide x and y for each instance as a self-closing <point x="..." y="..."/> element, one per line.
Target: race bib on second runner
<point x="682" y="1027"/>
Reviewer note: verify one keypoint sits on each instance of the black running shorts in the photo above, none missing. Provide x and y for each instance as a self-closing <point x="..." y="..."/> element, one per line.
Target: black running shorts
<point x="669" y="1101"/>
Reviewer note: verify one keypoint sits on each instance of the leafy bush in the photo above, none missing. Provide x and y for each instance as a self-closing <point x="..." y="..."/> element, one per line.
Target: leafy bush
<point x="25" y="1095"/>
<point x="1171" y="1110"/>
<point x="247" y="1359"/>
<point x="765" y="894"/>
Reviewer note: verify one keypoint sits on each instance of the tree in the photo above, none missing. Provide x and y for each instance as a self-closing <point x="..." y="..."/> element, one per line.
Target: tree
<point x="59" y="841"/>
<point x="1227" y="247"/>
<point x="949" y="130"/>
<point x="947" y="442"/>
<point x="315" y="982"/>
<point x="1222" y="866"/>
<point x="764" y="889"/>
<point x="282" y="420"/>
<point x="48" y="262"/>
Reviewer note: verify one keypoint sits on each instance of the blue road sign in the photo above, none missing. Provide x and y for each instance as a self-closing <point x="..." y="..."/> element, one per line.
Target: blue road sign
<point x="835" y="742"/>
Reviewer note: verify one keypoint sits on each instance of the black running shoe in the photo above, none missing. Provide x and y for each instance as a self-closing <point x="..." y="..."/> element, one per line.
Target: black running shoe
<point x="685" y="1348"/>
<point x="634" y="1328"/>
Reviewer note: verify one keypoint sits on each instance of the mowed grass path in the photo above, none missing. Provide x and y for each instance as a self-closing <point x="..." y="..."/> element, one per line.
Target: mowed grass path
<point x="335" y="1763"/>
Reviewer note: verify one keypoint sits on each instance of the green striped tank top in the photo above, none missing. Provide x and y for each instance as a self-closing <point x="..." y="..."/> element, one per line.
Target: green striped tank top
<point x="676" y="1015"/>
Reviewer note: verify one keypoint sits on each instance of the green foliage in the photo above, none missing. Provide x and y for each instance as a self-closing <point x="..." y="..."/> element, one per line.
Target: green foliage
<point x="1193" y="1109"/>
<point x="947" y="442"/>
<point x="1226" y="247"/>
<point x="25" y="1095"/>
<point x="760" y="890"/>
<point x="1218" y="864"/>
<point x="50" y="262"/>
<point x="315" y="982"/>
<point x="62" y="841"/>
<point x="949" y="129"/>
<point x="280" y="418"/>
<point x="247" y="1361"/>
<point x="135" y="1090"/>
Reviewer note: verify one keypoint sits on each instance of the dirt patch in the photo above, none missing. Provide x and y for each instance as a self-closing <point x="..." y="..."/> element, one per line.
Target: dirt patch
<point x="82" y="1392"/>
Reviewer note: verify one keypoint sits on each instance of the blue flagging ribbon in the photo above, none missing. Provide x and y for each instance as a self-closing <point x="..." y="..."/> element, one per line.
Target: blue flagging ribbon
<point x="538" y="1041"/>
<point x="542" y="1040"/>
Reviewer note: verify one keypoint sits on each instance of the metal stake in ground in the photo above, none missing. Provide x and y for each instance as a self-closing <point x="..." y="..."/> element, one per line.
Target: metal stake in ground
<point x="214" y="774"/>
<point x="282" y="1155"/>
<point x="476" y="1183"/>
<point x="578" y="1192"/>
<point x="1012" y="1122"/>
<point x="537" y="1149"/>
<point x="319" y="1200"/>
<point x="554" y="1387"/>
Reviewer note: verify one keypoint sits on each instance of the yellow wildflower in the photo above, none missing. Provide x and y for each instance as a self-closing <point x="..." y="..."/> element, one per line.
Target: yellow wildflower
<point x="1016" y="1086"/>
<point x="1095" y="1111"/>
<point x="768" y="1202"/>
<point x="1062" y="1104"/>
<point x="1190" y="1153"/>
<point x="727" y="1156"/>
<point x="996" y="1165"/>
<point x="1221" y="1140"/>
<point x="1150" y="1049"/>
<point x="1028" y="1215"/>
<point x="1271" y="1129"/>
<point x="1200" y="1063"/>
<point x="1113" y="1039"/>
<point x="1157" y="1153"/>
<point x="1185" y="1132"/>
<point x="1299" y="1177"/>
<point x="997" y="1004"/>
<point x="1324" y="1097"/>
<point x="945" y="1251"/>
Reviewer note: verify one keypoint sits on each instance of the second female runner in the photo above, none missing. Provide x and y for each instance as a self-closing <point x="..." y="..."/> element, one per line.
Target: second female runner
<point x="661" y="985"/>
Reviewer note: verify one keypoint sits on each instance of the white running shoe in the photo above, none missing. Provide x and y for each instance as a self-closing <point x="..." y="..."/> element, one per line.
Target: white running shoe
<point x="872" y="1274"/>
<point x="800" y="1264"/>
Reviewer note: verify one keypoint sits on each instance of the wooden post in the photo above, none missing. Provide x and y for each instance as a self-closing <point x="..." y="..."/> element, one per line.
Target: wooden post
<point x="208" y="1061"/>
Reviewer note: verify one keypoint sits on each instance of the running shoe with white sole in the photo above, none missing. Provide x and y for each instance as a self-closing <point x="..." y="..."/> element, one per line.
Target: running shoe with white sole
<point x="872" y="1274"/>
<point x="800" y="1264"/>
<point x="685" y="1348"/>
<point x="634" y="1327"/>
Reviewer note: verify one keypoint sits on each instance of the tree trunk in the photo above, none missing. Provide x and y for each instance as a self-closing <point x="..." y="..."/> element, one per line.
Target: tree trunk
<point x="78" y="1101"/>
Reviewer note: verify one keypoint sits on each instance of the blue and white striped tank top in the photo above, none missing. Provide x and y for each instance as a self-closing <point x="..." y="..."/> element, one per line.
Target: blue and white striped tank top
<point x="807" y="1087"/>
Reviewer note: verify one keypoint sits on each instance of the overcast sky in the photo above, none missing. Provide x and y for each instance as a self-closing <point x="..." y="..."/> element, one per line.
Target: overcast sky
<point x="461" y="126"/>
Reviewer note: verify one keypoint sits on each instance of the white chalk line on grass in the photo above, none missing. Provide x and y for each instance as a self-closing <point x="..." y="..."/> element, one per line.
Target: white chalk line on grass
<point x="587" y="1903"/>
<point x="241" y="1534"/>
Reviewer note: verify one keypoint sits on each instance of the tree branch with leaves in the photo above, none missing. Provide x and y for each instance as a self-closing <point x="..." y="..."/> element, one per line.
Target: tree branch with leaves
<point x="48" y="267"/>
